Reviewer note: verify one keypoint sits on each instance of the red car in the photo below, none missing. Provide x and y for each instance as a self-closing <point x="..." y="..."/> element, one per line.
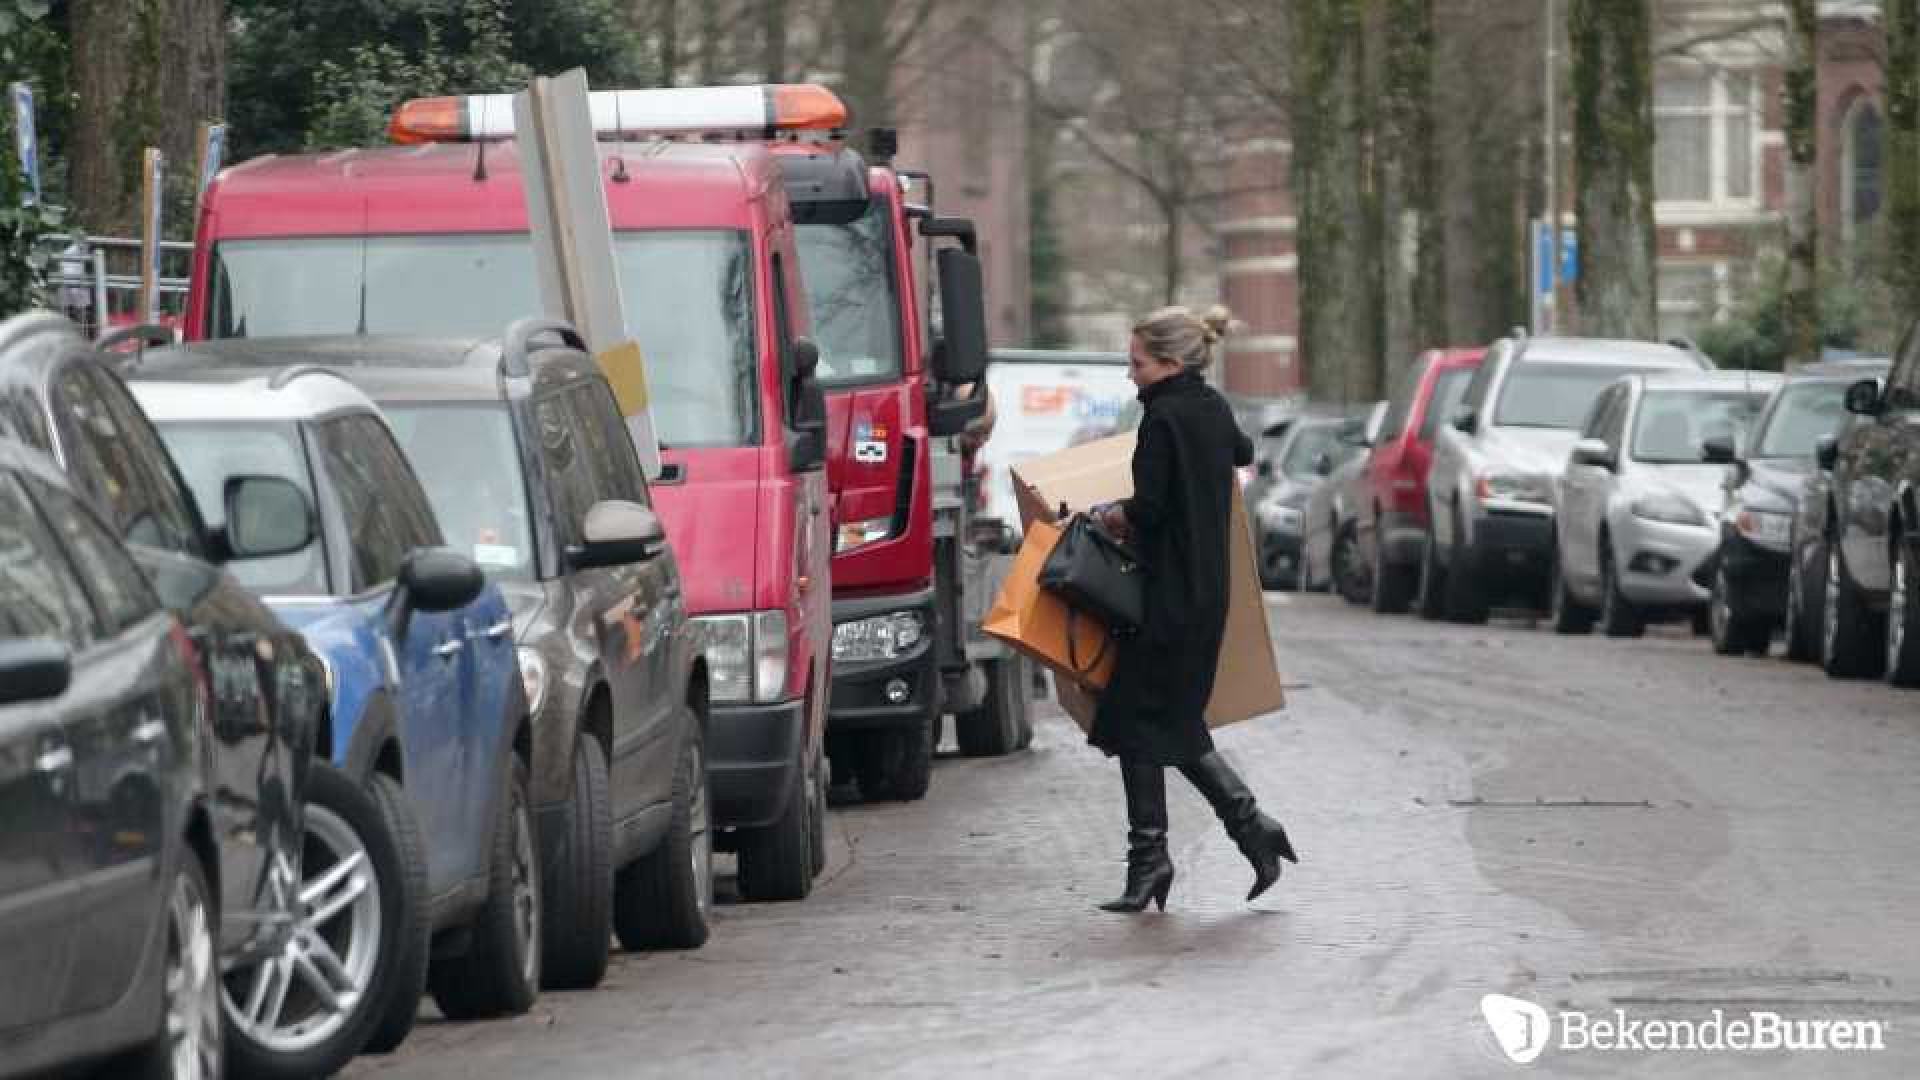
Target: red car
<point x="1393" y="521"/>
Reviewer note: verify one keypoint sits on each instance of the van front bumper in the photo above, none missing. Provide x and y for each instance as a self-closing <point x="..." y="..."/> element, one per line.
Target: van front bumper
<point x="753" y="761"/>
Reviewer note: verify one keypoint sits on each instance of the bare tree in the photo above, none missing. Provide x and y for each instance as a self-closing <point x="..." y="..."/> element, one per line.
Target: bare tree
<point x="1613" y="159"/>
<point x="1903" y="151"/>
<point x="1801" y="94"/>
<point x="1413" y="307"/>
<point x="1338" y="345"/>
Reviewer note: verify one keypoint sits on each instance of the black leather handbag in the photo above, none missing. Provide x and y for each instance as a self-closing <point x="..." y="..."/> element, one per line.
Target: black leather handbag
<point x="1095" y="574"/>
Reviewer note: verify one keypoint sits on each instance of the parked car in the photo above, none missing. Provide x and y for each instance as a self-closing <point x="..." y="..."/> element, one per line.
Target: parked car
<point x="269" y="699"/>
<point x="1766" y="475"/>
<point x="427" y="708"/>
<point x="531" y="472"/>
<point x="1330" y="549"/>
<point x="1393" y="514"/>
<point x="108" y="910"/>
<point x="1288" y="472"/>
<point x="1498" y="459"/>
<point x="1639" y="505"/>
<point x="1870" y="622"/>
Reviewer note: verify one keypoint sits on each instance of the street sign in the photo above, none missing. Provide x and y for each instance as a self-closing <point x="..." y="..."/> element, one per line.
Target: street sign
<point x="572" y="236"/>
<point x="1543" y="257"/>
<point x="25" y="140"/>
<point x="213" y="152"/>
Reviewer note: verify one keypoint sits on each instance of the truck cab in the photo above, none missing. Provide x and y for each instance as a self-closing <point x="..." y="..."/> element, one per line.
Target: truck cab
<point x="431" y="239"/>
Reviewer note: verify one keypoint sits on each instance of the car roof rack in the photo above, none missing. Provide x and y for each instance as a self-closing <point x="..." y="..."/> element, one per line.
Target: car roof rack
<point x="285" y="376"/>
<point x="147" y="334"/>
<point x="516" y="350"/>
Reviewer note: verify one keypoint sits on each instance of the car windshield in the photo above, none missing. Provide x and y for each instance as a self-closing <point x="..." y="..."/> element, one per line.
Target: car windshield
<point x="850" y="294"/>
<point x="1805" y="412"/>
<point x="1307" y="445"/>
<point x="1548" y="395"/>
<point x="689" y="299"/>
<point x="469" y="461"/>
<point x="1449" y="390"/>
<point x="1672" y="424"/>
<point x="210" y="453"/>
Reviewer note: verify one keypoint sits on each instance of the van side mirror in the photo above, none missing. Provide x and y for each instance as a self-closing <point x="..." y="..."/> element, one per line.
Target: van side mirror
<point x="806" y="435"/>
<point x="267" y="516"/>
<point x="33" y="670"/>
<point x="1595" y="453"/>
<point x="1826" y="452"/>
<point x="806" y="358"/>
<point x="1465" y="418"/>
<point x="433" y="580"/>
<point x="617" y="533"/>
<point x="1264" y="469"/>
<point x="962" y="357"/>
<point x="1719" y="450"/>
<point x="1865" y="399"/>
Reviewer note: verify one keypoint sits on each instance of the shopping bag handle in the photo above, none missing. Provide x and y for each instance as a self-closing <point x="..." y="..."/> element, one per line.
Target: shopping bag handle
<point x="1073" y="647"/>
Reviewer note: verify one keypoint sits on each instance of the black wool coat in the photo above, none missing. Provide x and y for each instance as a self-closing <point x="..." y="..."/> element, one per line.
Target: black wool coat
<point x="1181" y="509"/>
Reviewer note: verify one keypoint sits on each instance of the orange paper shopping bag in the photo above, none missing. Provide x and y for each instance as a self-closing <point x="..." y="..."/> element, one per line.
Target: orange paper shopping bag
<point x="1037" y="623"/>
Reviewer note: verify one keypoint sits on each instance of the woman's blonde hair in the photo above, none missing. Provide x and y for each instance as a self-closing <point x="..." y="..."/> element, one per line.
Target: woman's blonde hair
<point x="1176" y="335"/>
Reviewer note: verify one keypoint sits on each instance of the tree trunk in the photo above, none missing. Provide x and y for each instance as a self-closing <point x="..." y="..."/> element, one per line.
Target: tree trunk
<point x="1410" y="303"/>
<point x="1336" y="315"/>
<point x="1903" y="152"/>
<point x="773" y="39"/>
<point x="667" y="31"/>
<point x="1801" y="301"/>
<point x="1613" y="166"/>
<point x="709" y="42"/>
<point x="866" y="66"/>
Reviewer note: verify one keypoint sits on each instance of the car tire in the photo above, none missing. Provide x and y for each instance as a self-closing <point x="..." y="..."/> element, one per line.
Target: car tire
<point x="1429" y="596"/>
<point x="1850" y="632"/>
<point x="1466" y="600"/>
<point x="665" y="899"/>
<point x="499" y="974"/>
<point x="578" y="878"/>
<point x="1393" y="586"/>
<point x="993" y="729"/>
<point x="776" y="861"/>
<point x="1903" y="618"/>
<point x="190" y="991"/>
<point x="1565" y="611"/>
<point x="1618" y="619"/>
<point x="359" y="837"/>
<point x="1734" y="634"/>
<point x="1802" y="631"/>
<point x="817" y="815"/>
<point x="1345" y="561"/>
<point x="897" y="763"/>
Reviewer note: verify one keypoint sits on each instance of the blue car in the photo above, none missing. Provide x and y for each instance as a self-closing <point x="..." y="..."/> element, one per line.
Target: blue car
<point x="425" y="687"/>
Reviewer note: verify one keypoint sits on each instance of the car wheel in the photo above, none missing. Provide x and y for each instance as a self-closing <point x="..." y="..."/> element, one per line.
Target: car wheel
<point x="1429" y="596"/>
<point x="1734" y="634"/>
<point x="1393" y="586"/>
<point x="1348" y="578"/>
<point x="579" y="878"/>
<point x="1802" y="621"/>
<point x="355" y="960"/>
<point x="1903" y="619"/>
<point x="776" y="861"/>
<point x="817" y="814"/>
<point x="190" y="1044"/>
<point x="1567" y="613"/>
<point x="993" y="729"/>
<point x="1465" y="599"/>
<point x="665" y="900"/>
<point x="500" y="972"/>
<point x="897" y="763"/>
<point x="1849" y="648"/>
<point x="1618" y="619"/>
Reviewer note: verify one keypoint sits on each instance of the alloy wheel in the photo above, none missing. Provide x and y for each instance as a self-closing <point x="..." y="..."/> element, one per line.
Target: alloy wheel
<point x="1796" y="606"/>
<point x="300" y="996"/>
<point x="192" y="985"/>
<point x="1830" y="609"/>
<point x="1720" y="608"/>
<point x="1897" y="600"/>
<point x="700" y="820"/>
<point x="526" y="895"/>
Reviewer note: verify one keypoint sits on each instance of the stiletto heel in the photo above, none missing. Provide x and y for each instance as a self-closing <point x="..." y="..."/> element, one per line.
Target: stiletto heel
<point x="1166" y="886"/>
<point x="1259" y="837"/>
<point x="1149" y="870"/>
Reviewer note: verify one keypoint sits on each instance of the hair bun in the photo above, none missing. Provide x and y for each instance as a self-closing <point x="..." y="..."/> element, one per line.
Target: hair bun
<point x="1216" y="322"/>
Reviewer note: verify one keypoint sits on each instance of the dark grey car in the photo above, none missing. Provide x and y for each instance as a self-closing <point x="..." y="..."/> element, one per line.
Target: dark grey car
<point x="107" y="858"/>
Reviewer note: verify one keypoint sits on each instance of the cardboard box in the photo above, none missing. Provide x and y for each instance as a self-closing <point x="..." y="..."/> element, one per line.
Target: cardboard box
<point x="1248" y="682"/>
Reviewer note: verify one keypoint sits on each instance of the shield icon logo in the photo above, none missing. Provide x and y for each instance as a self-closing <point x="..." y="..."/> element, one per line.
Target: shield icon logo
<point x="1521" y="1027"/>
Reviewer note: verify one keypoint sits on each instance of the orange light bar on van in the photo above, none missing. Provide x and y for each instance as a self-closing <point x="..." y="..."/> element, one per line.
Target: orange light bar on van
<point x="679" y="110"/>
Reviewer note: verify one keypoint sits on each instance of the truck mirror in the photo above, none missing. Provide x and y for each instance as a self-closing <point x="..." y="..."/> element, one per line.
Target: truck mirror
<point x="806" y="358"/>
<point x="963" y="308"/>
<point x="806" y="436"/>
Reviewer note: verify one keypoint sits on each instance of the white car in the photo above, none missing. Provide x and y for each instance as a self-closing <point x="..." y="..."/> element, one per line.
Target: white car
<point x="1639" y="506"/>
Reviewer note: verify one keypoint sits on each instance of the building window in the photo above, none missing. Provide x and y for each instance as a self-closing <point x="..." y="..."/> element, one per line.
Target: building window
<point x="1860" y="176"/>
<point x="1703" y="138"/>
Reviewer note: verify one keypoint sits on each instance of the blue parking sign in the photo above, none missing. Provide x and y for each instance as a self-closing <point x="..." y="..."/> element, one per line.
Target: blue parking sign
<point x="27" y="144"/>
<point x="1543" y="257"/>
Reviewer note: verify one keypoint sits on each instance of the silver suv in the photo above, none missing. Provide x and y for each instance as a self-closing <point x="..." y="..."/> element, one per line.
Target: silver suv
<point x="1496" y="465"/>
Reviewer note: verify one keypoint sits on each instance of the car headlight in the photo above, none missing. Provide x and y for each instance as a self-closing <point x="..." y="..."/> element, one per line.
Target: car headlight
<point x="858" y="534"/>
<point x="533" y="675"/>
<point x="1767" y="527"/>
<point x="1273" y="515"/>
<point x="1669" y="509"/>
<point x="1514" y="486"/>
<point x="882" y="637"/>
<point x="746" y="656"/>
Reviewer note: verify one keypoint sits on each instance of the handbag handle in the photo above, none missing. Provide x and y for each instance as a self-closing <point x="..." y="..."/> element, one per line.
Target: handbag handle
<point x="1073" y="647"/>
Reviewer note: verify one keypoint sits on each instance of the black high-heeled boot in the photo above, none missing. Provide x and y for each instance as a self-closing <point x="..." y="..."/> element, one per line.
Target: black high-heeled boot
<point x="1149" y="869"/>
<point x="1260" y="838"/>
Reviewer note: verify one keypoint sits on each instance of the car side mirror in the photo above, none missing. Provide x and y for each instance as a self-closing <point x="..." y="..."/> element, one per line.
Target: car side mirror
<point x="1593" y="452"/>
<point x="433" y="580"/>
<point x="1466" y="419"/>
<point x="1323" y="464"/>
<point x="1719" y="450"/>
<point x="33" y="670"/>
<point x="1264" y="469"/>
<point x="1826" y="452"/>
<point x="1865" y="399"/>
<point x="806" y="435"/>
<point x="616" y="533"/>
<point x="806" y="358"/>
<point x="951" y="415"/>
<point x="963" y="318"/>
<point x="266" y="516"/>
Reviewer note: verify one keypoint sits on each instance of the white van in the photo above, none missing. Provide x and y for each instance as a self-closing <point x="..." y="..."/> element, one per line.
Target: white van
<point x="1046" y="400"/>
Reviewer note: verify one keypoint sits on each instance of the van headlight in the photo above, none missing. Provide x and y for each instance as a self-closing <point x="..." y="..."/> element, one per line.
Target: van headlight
<point x="746" y="656"/>
<point x="881" y="637"/>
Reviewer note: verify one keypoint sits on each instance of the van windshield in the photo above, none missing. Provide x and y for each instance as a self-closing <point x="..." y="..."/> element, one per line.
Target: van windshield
<point x="689" y="297"/>
<point x="850" y="294"/>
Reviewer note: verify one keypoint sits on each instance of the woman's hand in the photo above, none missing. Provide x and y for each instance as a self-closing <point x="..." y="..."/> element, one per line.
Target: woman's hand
<point x="1114" y="517"/>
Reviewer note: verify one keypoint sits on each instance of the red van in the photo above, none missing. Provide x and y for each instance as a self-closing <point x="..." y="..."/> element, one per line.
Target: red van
<point x="430" y="240"/>
<point x="1393" y="521"/>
